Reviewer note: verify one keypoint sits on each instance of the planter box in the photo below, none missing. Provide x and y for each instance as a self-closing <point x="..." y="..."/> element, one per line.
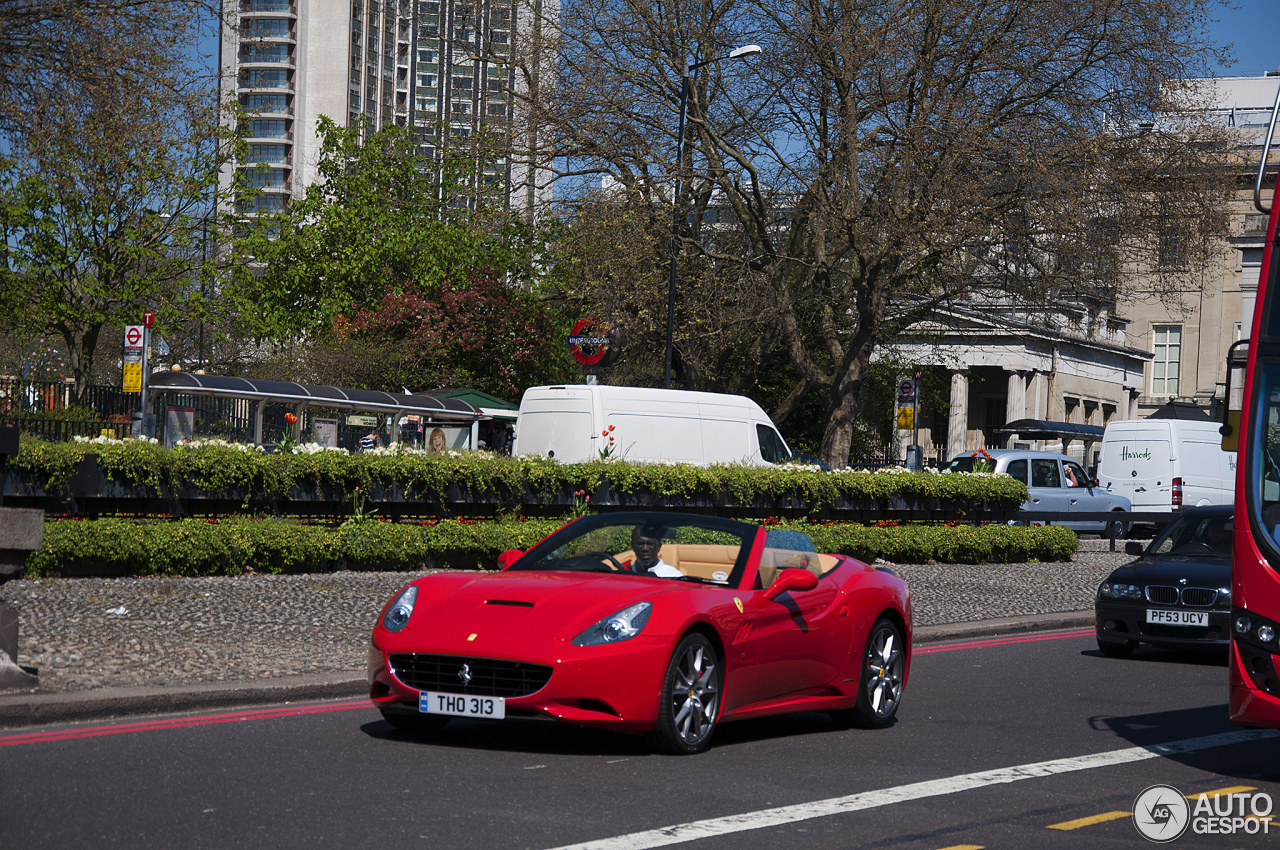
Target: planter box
<point x="91" y="491"/>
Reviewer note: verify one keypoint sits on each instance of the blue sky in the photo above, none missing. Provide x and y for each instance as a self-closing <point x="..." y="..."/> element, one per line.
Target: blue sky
<point x="1255" y="29"/>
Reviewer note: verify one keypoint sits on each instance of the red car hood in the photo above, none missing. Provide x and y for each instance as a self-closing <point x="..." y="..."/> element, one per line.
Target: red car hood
<point x="536" y="604"/>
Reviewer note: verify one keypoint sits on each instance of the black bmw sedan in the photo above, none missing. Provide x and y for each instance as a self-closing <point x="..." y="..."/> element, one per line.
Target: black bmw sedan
<point x="1177" y="594"/>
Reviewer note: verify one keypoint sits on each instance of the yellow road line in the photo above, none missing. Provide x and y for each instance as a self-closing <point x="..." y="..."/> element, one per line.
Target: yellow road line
<point x="1089" y="821"/>
<point x="1108" y="816"/>
<point x="963" y="847"/>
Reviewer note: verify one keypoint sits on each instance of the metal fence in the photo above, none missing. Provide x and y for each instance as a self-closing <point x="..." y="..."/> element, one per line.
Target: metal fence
<point x="57" y="400"/>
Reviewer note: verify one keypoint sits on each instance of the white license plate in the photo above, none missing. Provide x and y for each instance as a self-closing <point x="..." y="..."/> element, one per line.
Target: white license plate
<point x="461" y="705"/>
<point x="1177" y="618"/>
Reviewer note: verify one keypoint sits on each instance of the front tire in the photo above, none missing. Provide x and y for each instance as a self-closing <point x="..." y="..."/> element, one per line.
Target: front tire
<point x="880" y="683"/>
<point x="690" y="701"/>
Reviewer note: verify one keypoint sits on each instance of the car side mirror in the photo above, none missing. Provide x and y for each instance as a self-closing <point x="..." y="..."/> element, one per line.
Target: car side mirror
<point x="792" y="579"/>
<point x="1133" y="547"/>
<point x="509" y="557"/>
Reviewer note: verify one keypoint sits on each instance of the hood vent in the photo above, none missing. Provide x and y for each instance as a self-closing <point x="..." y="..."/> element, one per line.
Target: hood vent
<point x="515" y="603"/>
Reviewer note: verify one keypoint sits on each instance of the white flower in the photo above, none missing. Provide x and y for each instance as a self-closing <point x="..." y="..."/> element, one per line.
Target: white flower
<point x="316" y="448"/>
<point x="112" y="441"/>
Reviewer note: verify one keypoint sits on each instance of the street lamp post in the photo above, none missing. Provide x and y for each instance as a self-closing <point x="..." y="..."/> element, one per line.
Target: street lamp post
<point x="738" y="53"/>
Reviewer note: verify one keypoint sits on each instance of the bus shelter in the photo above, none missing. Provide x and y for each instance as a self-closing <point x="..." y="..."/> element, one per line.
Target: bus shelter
<point x="243" y="404"/>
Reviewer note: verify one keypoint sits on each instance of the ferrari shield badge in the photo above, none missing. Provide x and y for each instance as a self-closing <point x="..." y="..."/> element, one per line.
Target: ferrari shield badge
<point x="738" y="602"/>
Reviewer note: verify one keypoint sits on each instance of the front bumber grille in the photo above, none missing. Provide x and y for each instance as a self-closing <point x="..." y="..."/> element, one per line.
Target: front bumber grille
<point x="1200" y="597"/>
<point x="489" y="677"/>
<point x="1184" y="632"/>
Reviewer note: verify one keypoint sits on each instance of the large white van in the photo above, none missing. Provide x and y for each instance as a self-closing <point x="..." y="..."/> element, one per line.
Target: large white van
<point x="574" y="424"/>
<point x="1162" y="465"/>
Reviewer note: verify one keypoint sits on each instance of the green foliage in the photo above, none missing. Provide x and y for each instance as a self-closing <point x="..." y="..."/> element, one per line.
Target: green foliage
<point x="194" y="547"/>
<point x="227" y="471"/>
<point x="398" y="275"/>
<point x="102" y="204"/>
<point x="951" y="544"/>
<point x="376" y="221"/>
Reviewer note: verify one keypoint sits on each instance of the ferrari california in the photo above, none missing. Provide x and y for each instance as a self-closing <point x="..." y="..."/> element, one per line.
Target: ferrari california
<point x="661" y="623"/>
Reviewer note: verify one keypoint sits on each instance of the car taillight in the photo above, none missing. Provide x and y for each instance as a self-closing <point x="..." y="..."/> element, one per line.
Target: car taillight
<point x="1177" y="492"/>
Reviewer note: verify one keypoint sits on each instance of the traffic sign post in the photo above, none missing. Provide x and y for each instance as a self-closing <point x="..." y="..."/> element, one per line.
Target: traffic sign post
<point x="145" y="424"/>
<point x="916" y="455"/>
<point x="137" y="351"/>
<point x="132" y="359"/>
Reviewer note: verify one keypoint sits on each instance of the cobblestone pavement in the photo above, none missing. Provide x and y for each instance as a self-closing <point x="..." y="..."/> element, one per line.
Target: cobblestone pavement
<point x="93" y="633"/>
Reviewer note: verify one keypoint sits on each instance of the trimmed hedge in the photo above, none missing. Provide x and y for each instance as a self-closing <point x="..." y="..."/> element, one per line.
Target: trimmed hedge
<point x="194" y="547"/>
<point x="225" y="471"/>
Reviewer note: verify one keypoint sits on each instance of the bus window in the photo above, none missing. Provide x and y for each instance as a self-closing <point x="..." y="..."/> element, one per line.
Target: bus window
<point x="1266" y="433"/>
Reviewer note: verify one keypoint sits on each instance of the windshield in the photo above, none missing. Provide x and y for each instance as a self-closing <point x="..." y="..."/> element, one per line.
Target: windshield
<point x="1203" y="535"/>
<point x="704" y="549"/>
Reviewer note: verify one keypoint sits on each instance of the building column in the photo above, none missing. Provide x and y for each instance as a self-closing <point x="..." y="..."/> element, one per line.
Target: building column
<point x="1130" y="402"/>
<point x="958" y="417"/>
<point x="1015" y="406"/>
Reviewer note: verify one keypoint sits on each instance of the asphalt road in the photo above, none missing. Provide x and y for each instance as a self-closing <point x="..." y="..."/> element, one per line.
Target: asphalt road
<point x="964" y="766"/>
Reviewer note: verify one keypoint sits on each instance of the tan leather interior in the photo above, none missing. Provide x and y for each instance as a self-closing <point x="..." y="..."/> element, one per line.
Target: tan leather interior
<point x="704" y="560"/>
<point x="774" y="560"/>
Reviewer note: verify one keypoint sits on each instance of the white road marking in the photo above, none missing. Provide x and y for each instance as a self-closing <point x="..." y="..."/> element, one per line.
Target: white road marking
<point x="681" y="833"/>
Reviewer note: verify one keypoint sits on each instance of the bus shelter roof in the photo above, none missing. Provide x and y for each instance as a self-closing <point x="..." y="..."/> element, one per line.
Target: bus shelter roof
<point x="437" y="408"/>
<point x="1041" y="429"/>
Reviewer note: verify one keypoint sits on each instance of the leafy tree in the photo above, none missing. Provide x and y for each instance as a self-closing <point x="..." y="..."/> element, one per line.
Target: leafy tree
<point x="482" y="334"/>
<point x="101" y="201"/>
<point x="882" y="159"/>
<point x="75" y="46"/>
<point x="397" y="275"/>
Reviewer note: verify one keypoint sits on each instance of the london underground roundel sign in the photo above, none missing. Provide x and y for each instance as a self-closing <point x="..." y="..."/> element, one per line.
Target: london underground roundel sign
<point x="589" y="341"/>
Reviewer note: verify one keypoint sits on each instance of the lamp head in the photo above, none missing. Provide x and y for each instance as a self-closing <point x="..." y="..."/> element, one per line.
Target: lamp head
<point x="745" y="50"/>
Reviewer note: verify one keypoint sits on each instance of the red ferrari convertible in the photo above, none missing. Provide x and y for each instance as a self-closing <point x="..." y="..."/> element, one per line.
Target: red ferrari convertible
<point x="655" y="622"/>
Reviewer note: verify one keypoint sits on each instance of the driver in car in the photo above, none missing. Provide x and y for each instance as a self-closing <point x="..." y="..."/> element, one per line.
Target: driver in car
<point x="646" y="542"/>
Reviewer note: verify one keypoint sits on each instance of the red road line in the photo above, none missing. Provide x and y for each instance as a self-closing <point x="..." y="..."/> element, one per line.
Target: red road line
<point x="1002" y="641"/>
<point x="235" y="716"/>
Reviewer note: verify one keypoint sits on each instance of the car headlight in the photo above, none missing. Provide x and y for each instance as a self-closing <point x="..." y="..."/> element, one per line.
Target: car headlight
<point x="397" y="616"/>
<point x="1119" y="590"/>
<point x="621" y="626"/>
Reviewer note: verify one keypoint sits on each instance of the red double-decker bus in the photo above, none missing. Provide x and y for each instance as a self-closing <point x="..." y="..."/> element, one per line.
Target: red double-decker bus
<point x="1253" y="428"/>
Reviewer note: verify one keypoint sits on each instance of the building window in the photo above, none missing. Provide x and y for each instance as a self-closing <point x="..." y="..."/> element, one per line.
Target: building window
<point x="1168" y="351"/>
<point x="1172" y="255"/>
<point x="267" y="28"/>
<point x="266" y="79"/>
<point x="263" y="204"/>
<point x="268" y="129"/>
<point x="267" y="153"/>
<point x="265" y="53"/>
<point x="266" y="103"/>
<point x="265" y="179"/>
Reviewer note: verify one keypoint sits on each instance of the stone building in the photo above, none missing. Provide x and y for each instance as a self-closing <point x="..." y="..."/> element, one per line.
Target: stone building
<point x="1087" y="366"/>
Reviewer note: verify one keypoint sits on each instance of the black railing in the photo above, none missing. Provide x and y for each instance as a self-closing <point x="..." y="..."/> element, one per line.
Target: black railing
<point x="47" y="399"/>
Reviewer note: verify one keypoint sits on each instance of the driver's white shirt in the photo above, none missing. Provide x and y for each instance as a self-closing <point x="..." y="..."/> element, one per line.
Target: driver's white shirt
<point x="662" y="570"/>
